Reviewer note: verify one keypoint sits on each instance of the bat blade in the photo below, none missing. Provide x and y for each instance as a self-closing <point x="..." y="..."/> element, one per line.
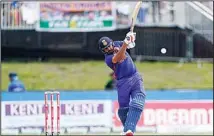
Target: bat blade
<point x="134" y="15"/>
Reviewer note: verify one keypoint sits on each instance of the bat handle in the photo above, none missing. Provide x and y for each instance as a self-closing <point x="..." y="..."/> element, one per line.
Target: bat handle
<point x="132" y="27"/>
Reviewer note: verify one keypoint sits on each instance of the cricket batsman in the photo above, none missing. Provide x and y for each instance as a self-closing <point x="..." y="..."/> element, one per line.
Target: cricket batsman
<point x="131" y="93"/>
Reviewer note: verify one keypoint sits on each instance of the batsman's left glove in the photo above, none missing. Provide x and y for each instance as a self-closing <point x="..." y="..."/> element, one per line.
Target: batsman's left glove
<point x="130" y="39"/>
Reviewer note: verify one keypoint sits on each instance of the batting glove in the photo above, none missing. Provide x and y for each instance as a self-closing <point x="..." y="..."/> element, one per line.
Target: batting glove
<point x="130" y="38"/>
<point x="131" y="45"/>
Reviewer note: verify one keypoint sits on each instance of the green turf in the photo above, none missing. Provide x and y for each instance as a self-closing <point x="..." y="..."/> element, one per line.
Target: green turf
<point x="94" y="74"/>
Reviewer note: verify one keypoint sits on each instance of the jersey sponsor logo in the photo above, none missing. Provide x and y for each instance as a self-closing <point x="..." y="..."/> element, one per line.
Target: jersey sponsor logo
<point x="18" y="89"/>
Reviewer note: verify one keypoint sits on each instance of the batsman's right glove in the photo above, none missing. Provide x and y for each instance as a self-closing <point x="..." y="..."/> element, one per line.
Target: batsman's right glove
<point x="131" y="45"/>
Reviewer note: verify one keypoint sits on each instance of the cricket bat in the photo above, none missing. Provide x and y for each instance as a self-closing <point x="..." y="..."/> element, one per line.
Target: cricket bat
<point x="134" y="15"/>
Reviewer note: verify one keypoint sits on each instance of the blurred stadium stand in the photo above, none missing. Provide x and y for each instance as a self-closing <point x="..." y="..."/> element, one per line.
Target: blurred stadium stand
<point x="13" y="15"/>
<point x="185" y="29"/>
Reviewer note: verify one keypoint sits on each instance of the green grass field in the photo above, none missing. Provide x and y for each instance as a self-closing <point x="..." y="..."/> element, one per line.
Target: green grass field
<point x="94" y="74"/>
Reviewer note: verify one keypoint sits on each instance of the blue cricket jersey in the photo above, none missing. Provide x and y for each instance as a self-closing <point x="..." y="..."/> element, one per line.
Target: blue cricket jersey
<point x="16" y="86"/>
<point x="124" y="69"/>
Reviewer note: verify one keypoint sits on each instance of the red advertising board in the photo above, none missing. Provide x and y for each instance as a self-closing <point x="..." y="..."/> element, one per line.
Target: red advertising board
<point x="172" y="113"/>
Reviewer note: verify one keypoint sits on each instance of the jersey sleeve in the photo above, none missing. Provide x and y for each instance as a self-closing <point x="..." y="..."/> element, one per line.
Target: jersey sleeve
<point x="9" y="87"/>
<point x="16" y="87"/>
<point x="118" y="43"/>
<point x="108" y="60"/>
<point x="23" y="86"/>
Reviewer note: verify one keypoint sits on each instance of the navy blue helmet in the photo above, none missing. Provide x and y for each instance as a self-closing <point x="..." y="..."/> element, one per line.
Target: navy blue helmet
<point x="104" y="43"/>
